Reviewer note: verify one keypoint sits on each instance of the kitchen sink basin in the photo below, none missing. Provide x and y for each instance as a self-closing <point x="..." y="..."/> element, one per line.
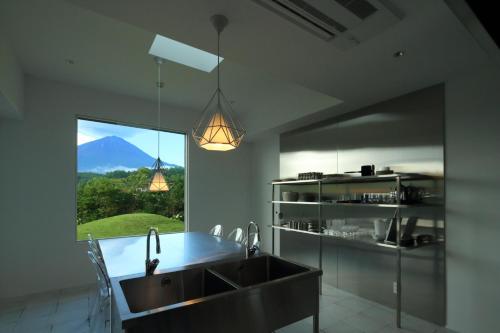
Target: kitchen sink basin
<point x="259" y="294"/>
<point x="151" y="292"/>
<point x="257" y="270"/>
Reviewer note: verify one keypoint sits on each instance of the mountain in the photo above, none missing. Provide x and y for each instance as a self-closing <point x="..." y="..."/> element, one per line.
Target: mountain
<point x="112" y="153"/>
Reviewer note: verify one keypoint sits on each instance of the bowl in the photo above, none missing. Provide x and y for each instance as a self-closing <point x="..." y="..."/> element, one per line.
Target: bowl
<point x="306" y="197"/>
<point x="290" y="196"/>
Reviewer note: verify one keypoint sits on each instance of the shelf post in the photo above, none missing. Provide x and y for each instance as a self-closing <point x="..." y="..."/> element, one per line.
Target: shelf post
<point x="320" y="189"/>
<point x="272" y="219"/>
<point x="398" y="253"/>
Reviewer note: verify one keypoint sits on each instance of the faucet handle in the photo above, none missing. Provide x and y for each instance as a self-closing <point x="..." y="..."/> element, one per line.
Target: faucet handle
<point x="151" y="266"/>
<point x="254" y="249"/>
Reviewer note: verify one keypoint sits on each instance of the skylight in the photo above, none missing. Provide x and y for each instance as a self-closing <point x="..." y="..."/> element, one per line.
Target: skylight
<point x="184" y="54"/>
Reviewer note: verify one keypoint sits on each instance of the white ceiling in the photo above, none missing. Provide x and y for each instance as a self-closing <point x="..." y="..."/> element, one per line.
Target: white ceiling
<point x="276" y="73"/>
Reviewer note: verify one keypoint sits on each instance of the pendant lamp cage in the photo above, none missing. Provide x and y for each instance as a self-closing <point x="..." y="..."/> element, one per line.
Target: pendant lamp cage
<point x="158" y="182"/>
<point x="218" y="127"/>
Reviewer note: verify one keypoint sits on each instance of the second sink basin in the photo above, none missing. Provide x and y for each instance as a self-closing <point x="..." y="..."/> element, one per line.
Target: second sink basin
<point x="151" y="292"/>
<point x="257" y="270"/>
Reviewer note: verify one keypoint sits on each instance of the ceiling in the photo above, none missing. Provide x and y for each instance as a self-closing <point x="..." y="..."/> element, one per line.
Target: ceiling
<point x="276" y="73"/>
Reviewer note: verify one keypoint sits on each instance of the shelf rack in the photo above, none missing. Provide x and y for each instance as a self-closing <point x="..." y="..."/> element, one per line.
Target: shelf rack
<point x="396" y="178"/>
<point x="359" y="179"/>
<point x="361" y="240"/>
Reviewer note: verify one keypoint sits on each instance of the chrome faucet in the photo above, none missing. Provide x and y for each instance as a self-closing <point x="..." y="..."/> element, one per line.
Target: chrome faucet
<point x="250" y="250"/>
<point x="152" y="264"/>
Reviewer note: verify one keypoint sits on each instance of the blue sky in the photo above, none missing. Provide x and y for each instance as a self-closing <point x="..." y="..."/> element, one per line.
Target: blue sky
<point x="171" y="144"/>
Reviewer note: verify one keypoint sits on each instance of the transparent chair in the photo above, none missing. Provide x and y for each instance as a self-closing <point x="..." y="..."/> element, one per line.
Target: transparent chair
<point x="237" y="235"/>
<point x="217" y="231"/>
<point x="95" y="249"/>
<point x="102" y="303"/>
<point x="100" y="313"/>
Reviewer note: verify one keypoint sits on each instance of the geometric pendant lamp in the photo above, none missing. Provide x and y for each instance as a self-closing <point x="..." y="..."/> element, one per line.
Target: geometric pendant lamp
<point x="218" y="127"/>
<point x="158" y="182"/>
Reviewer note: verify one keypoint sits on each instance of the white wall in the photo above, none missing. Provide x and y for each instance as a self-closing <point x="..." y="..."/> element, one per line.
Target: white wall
<point x="11" y="81"/>
<point x="472" y="201"/>
<point x="265" y="167"/>
<point x="38" y="251"/>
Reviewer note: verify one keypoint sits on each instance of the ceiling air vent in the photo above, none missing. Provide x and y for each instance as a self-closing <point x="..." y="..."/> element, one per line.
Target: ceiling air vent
<point x="344" y="23"/>
<point x="360" y="8"/>
<point x="305" y="15"/>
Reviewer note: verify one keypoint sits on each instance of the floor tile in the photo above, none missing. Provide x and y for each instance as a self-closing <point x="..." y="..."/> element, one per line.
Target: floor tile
<point x="38" y="326"/>
<point x="444" y="330"/>
<point x="341" y="327"/>
<point x="74" y="315"/>
<point x="71" y="327"/>
<point x="35" y="311"/>
<point x="7" y="327"/>
<point x="77" y="303"/>
<point x="365" y="324"/>
<point x="355" y="304"/>
<point x="380" y="313"/>
<point x="302" y="326"/>
<point x="11" y="315"/>
<point x="333" y="313"/>
<point x="332" y="295"/>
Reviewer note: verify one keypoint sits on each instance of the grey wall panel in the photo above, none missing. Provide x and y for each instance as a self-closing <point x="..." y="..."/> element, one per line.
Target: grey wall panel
<point x="330" y="262"/>
<point x="406" y="134"/>
<point x="301" y="248"/>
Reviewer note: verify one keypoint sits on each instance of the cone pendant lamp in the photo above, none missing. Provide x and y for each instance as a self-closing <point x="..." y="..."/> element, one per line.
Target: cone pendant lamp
<point x="158" y="182"/>
<point x="218" y="127"/>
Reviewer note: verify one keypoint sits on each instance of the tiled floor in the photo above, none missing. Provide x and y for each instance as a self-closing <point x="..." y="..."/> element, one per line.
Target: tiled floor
<point x="340" y="312"/>
<point x="60" y="311"/>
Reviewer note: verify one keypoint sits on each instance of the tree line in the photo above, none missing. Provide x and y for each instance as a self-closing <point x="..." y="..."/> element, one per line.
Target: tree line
<point x="123" y="192"/>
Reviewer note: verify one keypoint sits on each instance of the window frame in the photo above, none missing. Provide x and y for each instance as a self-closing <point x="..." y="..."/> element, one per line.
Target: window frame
<point x="134" y="125"/>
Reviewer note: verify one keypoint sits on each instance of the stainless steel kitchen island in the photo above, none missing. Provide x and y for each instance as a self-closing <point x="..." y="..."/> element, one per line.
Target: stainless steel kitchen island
<point x="126" y="256"/>
<point x="207" y="285"/>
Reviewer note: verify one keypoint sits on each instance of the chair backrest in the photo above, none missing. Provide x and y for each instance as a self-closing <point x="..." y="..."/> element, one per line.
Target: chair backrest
<point x="217" y="231"/>
<point x="237" y="235"/>
<point x="94" y="247"/>
<point x="102" y="277"/>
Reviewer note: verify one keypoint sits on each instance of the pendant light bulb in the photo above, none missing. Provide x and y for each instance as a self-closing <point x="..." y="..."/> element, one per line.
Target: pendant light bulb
<point x="158" y="183"/>
<point x="218" y="128"/>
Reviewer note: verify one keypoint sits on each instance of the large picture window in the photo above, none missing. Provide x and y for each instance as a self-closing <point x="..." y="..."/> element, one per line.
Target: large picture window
<point x="114" y="168"/>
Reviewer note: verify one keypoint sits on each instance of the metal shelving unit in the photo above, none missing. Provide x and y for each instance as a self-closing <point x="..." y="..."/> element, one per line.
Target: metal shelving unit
<point x="396" y="178"/>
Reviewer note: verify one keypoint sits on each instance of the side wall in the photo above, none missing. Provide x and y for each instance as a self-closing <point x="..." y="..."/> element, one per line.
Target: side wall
<point x="472" y="200"/>
<point x="265" y="167"/>
<point x="11" y="81"/>
<point x="37" y="194"/>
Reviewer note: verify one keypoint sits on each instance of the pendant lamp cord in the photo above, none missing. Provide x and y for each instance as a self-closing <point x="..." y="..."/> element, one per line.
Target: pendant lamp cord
<point x="159" y="106"/>
<point x="218" y="68"/>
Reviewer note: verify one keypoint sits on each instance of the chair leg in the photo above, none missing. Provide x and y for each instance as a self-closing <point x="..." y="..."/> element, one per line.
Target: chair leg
<point x="101" y="319"/>
<point x="93" y="306"/>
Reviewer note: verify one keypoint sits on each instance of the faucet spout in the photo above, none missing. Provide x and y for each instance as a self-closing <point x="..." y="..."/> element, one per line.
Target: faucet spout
<point x="152" y="264"/>
<point x="252" y="248"/>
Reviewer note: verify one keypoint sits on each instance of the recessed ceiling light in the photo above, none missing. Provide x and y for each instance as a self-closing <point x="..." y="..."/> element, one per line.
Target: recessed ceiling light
<point x="398" y="54"/>
<point x="184" y="54"/>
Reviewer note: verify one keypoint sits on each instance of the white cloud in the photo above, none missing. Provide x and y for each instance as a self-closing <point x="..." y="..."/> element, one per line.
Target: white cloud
<point x="84" y="138"/>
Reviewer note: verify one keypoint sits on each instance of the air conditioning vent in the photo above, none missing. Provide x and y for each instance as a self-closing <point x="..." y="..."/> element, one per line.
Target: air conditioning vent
<point x="313" y="12"/>
<point x="306" y="16"/>
<point x="344" y="23"/>
<point x="360" y="8"/>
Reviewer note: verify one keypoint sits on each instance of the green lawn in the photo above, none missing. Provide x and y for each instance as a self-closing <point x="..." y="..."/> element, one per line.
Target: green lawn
<point x="128" y="225"/>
